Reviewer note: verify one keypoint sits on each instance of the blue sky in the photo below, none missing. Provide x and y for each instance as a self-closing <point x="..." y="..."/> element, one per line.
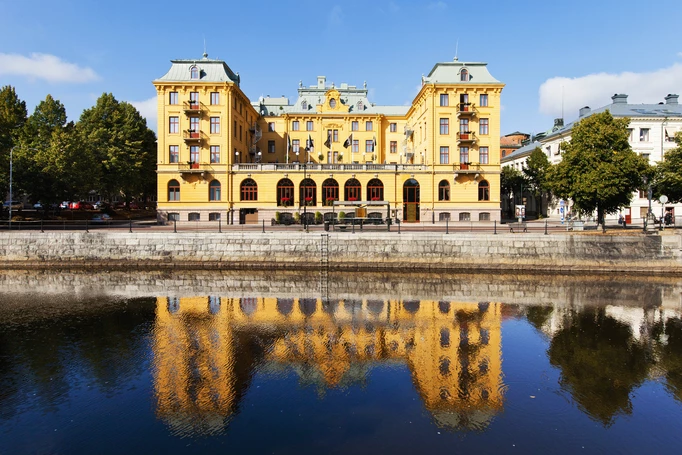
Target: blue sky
<point x="587" y="50"/>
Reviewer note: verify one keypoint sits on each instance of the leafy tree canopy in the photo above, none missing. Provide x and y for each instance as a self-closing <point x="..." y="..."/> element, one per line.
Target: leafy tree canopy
<point x="599" y="171"/>
<point x="12" y="118"/>
<point x="535" y="172"/>
<point x="668" y="173"/>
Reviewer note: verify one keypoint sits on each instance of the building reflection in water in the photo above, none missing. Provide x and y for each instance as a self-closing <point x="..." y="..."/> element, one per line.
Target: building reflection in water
<point x="206" y="349"/>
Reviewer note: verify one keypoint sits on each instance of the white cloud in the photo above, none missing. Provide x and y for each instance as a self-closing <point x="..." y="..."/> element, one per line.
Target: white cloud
<point x="335" y="18"/>
<point x="147" y="109"/>
<point x="595" y="90"/>
<point x="45" y="66"/>
<point x="440" y="6"/>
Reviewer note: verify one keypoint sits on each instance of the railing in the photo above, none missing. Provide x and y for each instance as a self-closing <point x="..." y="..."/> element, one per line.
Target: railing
<point x="466" y="136"/>
<point x="466" y="108"/>
<point x="189" y="135"/>
<point x="195" y="167"/>
<point x="325" y="167"/>
<point x="191" y="106"/>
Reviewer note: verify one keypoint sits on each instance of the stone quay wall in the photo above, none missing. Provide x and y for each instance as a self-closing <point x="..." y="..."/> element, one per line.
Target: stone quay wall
<point x="649" y="254"/>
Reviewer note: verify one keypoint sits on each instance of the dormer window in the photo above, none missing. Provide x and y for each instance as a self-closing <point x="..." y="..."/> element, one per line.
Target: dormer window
<point x="194" y="72"/>
<point x="464" y="75"/>
<point x="332" y="103"/>
<point x="304" y="105"/>
<point x="360" y="106"/>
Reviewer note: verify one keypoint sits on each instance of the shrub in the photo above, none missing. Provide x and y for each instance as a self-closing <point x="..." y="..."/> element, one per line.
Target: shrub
<point x="297" y="218"/>
<point x="342" y="216"/>
<point x="278" y="217"/>
<point x="318" y="217"/>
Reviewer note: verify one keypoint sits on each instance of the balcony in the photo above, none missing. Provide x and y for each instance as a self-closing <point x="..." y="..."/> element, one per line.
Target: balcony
<point x="192" y="168"/>
<point x="466" y="136"/>
<point x="191" y="136"/>
<point x="327" y="167"/>
<point x="467" y="168"/>
<point x="191" y="107"/>
<point x="466" y="109"/>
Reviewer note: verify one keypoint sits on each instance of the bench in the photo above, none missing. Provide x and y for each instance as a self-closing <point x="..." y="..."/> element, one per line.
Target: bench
<point x="520" y="227"/>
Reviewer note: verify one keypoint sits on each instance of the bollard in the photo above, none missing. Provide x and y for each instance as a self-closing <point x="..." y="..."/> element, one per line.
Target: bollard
<point x="353" y="223"/>
<point x="495" y="228"/>
<point x="41" y="226"/>
<point x="130" y="226"/>
<point x="86" y="225"/>
<point x="545" y="227"/>
<point x="175" y="225"/>
<point x="64" y="226"/>
<point x="263" y="226"/>
<point x="398" y="226"/>
<point x="447" y="226"/>
<point x="220" y="229"/>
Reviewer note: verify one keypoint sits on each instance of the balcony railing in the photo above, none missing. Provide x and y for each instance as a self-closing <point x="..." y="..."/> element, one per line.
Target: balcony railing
<point x="466" y="136"/>
<point x="466" y="109"/>
<point x="194" y="168"/>
<point x="191" y="136"/>
<point x="326" y="167"/>
<point x="191" y="107"/>
<point x="467" y="168"/>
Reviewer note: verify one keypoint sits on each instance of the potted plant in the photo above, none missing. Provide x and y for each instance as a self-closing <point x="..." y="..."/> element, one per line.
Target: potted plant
<point x="320" y="157"/>
<point x="375" y="198"/>
<point x="285" y="201"/>
<point x="340" y="158"/>
<point x="330" y="201"/>
<point x="308" y="200"/>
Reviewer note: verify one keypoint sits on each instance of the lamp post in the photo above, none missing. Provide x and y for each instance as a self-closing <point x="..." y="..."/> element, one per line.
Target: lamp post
<point x="305" y="197"/>
<point x="237" y="155"/>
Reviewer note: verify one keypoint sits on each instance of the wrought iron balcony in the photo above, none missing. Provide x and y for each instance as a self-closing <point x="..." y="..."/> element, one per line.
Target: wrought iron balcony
<point x="466" y="136"/>
<point x="191" y="136"/>
<point x="466" y="109"/>
<point x="191" y="107"/>
<point x="467" y="168"/>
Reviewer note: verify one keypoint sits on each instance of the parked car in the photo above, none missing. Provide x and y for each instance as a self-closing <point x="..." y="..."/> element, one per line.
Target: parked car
<point x="38" y="206"/>
<point x="103" y="218"/>
<point x="80" y="205"/>
<point x="100" y="205"/>
<point x="16" y="205"/>
<point x="64" y="205"/>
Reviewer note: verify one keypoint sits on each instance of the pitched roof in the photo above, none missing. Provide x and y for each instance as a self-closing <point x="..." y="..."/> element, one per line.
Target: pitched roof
<point x="210" y="70"/>
<point x="450" y="73"/>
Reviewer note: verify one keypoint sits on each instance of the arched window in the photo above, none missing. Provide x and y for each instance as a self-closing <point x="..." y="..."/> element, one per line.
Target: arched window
<point x="194" y="72"/>
<point x="173" y="191"/>
<point x="304" y="105"/>
<point x="444" y="190"/>
<point x="285" y="193"/>
<point x="375" y="190"/>
<point x="352" y="190"/>
<point x="483" y="191"/>
<point x="308" y="192"/>
<point x="360" y="106"/>
<point x="332" y="103"/>
<point x="248" y="190"/>
<point x="464" y="75"/>
<point x="330" y="191"/>
<point x="214" y="191"/>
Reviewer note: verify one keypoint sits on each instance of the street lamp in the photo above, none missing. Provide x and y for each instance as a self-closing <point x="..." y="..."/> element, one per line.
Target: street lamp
<point x="237" y="155"/>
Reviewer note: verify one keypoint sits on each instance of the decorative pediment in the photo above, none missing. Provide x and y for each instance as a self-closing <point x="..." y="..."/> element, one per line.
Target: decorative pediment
<point x="332" y="102"/>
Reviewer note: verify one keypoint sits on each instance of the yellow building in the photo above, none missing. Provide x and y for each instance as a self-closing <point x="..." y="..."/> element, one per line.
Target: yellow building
<point x="222" y="156"/>
<point x="203" y="362"/>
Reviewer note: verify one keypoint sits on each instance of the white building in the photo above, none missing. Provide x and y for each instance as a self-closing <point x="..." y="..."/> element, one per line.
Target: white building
<point x="652" y="129"/>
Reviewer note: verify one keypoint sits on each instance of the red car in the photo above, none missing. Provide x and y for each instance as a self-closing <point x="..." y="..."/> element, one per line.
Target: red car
<point x="80" y="205"/>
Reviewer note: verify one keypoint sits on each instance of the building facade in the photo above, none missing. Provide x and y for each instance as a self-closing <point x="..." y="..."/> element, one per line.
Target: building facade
<point x="652" y="130"/>
<point x="511" y="142"/>
<point x="222" y="156"/>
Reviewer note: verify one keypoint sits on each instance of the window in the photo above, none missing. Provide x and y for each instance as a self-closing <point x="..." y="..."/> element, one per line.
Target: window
<point x="361" y="106"/>
<point x="215" y="125"/>
<point x="173" y="217"/>
<point x="240" y="132"/>
<point x="309" y="125"/>
<point x="483" y="191"/>
<point x="354" y="126"/>
<point x="444" y="155"/>
<point x="368" y="126"/>
<point x="296" y="145"/>
<point x="193" y="217"/>
<point x="483" y="155"/>
<point x="483" y="101"/>
<point x="215" y="98"/>
<point x="294" y="125"/>
<point x="393" y="127"/>
<point x="215" y="154"/>
<point x="464" y="154"/>
<point x="173" y="125"/>
<point x="444" y="99"/>
<point x="235" y="129"/>
<point x="352" y="190"/>
<point x="394" y="147"/>
<point x="194" y="154"/>
<point x="644" y="135"/>
<point x="304" y="105"/>
<point x="465" y="216"/>
<point x="308" y="192"/>
<point x="332" y="103"/>
<point x="194" y="72"/>
<point x="484" y="216"/>
<point x="194" y="98"/>
<point x="445" y="126"/>
<point x="248" y="190"/>
<point x="444" y="216"/>
<point x="335" y="135"/>
<point x="271" y="127"/>
<point x="375" y="190"/>
<point x="194" y="125"/>
<point x="173" y="98"/>
<point x="173" y="154"/>
<point x="464" y="125"/>
<point x="214" y="191"/>
<point x="285" y="193"/>
<point x="356" y="146"/>
<point x="444" y="190"/>
<point x="271" y="146"/>
<point x="483" y="126"/>
<point x="463" y="102"/>
<point x="369" y="146"/>
<point x="464" y="75"/>
<point x="330" y="191"/>
<point x="214" y="216"/>
<point x="630" y="135"/>
<point x="173" y="190"/>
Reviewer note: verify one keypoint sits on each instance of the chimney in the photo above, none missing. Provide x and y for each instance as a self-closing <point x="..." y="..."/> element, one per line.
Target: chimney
<point x="558" y="123"/>
<point x="584" y="111"/>
<point x="671" y="99"/>
<point x="620" y="98"/>
<point x="321" y="81"/>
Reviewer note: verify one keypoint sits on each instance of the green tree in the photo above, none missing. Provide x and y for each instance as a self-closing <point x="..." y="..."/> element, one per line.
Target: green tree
<point x="668" y="173"/>
<point x="12" y="119"/>
<point x="512" y="181"/>
<point x="118" y="138"/>
<point x="599" y="171"/>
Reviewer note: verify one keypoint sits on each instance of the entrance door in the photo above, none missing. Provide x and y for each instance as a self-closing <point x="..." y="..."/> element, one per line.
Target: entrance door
<point x="411" y="201"/>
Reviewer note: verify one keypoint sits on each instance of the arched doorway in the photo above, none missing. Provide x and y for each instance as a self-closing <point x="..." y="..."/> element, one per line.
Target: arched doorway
<point x="411" y="201"/>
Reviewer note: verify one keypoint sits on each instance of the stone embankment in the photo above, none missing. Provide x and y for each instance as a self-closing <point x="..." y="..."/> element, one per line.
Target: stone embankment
<point x="647" y="254"/>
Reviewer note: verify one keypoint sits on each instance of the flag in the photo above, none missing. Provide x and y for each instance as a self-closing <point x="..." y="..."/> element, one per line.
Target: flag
<point x="309" y="144"/>
<point x="288" y="143"/>
<point x="348" y="141"/>
<point x="328" y="142"/>
<point x="374" y="143"/>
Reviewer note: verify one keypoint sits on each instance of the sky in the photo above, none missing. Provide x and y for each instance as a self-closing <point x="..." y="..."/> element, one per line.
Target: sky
<point x="554" y="57"/>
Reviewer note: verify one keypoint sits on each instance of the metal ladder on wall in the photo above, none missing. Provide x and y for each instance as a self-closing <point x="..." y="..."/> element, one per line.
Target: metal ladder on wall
<point x="324" y="267"/>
